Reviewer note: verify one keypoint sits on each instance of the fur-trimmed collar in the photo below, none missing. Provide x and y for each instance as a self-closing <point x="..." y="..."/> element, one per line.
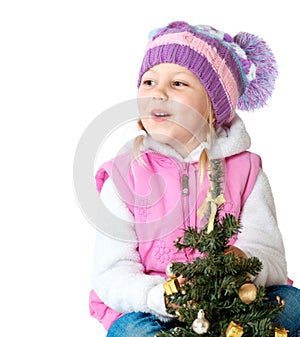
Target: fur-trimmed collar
<point x="226" y="142"/>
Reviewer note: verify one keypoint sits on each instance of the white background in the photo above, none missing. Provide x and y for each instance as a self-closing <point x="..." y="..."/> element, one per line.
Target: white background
<point x="61" y="64"/>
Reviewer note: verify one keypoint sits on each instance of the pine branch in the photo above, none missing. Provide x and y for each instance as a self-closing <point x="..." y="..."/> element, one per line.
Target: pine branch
<point x="213" y="242"/>
<point x="214" y="280"/>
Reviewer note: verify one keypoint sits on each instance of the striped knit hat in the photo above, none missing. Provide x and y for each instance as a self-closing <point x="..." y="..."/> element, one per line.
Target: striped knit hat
<point x="237" y="72"/>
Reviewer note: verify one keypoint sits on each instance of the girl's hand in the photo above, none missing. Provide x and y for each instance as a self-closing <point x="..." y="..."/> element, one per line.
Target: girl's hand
<point x="181" y="280"/>
<point x="236" y="251"/>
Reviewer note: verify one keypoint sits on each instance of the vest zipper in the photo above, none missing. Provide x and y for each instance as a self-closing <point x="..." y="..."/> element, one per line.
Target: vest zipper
<point x="185" y="185"/>
<point x="185" y="189"/>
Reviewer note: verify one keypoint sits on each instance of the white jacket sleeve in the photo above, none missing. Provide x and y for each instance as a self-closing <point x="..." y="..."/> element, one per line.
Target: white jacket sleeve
<point x="260" y="235"/>
<point x="118" y="276"/>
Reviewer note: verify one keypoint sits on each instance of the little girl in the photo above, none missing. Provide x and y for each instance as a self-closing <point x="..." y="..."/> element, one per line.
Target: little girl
<point x="192" y="80"/>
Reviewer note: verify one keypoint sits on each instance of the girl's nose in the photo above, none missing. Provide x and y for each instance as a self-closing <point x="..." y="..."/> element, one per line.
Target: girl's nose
<point x="160" y="94"/>
<point x="161" y="98"/>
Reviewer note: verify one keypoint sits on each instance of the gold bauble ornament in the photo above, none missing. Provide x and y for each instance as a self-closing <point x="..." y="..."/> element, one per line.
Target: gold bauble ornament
<point x="200" y="324"/>
<point x="248" y="293"/>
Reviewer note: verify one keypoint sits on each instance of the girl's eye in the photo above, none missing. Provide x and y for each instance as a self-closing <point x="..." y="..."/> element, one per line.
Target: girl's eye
<point x="149" y="82"/>
<point x="179" y="84"/>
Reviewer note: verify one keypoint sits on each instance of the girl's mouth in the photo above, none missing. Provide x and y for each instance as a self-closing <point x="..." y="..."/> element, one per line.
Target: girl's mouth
<point x="159" y="115"/>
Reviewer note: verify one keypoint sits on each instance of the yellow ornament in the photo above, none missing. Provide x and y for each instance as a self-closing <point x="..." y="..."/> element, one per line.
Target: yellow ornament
<point x="234" y="330"/>
<point x="281" y="332"/>
<point x="172" y="285"/>
<point x="248" y="293"/>
<point x="200" y="324"/>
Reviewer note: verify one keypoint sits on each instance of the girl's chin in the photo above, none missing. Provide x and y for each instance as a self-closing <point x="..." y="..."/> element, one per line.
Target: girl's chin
<point x="163" y="137"/>
<point x="169" y="140"/>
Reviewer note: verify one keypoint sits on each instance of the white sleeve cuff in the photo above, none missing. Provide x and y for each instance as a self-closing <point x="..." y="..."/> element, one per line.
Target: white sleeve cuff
<point x="156" y="302"/>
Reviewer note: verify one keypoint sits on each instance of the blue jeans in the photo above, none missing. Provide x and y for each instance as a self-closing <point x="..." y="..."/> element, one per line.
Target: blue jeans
<point x="139" y="324"/>
<point x="290" y="317"/>
<point x="136" y="324"/>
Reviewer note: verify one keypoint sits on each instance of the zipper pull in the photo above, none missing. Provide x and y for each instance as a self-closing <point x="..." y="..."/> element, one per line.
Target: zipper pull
<point x="185" y="185"/>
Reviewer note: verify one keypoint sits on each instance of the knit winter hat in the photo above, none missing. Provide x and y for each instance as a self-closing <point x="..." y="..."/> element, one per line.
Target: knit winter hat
<point x="236" y="72"/>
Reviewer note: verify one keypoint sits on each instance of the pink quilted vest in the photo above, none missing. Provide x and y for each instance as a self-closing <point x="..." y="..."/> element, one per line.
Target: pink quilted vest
<point x="164" y="194"/>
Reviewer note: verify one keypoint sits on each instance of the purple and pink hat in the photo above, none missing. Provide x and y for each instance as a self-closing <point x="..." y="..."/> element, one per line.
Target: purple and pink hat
<point x="238" y="72"/>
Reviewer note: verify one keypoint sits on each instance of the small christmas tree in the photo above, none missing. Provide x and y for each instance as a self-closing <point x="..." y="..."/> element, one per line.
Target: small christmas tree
<point x="218" y="298"/>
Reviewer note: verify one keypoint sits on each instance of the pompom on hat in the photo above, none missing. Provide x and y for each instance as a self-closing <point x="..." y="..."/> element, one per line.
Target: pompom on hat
<point x="238" y="72"/>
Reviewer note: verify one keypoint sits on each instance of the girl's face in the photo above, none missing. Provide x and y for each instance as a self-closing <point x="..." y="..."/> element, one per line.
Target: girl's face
<point x="175" y="107"/>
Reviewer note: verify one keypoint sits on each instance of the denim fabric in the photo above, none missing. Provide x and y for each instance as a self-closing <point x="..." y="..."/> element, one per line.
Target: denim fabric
<point x="290" y="317"/>
<point x="138" y="324"/>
